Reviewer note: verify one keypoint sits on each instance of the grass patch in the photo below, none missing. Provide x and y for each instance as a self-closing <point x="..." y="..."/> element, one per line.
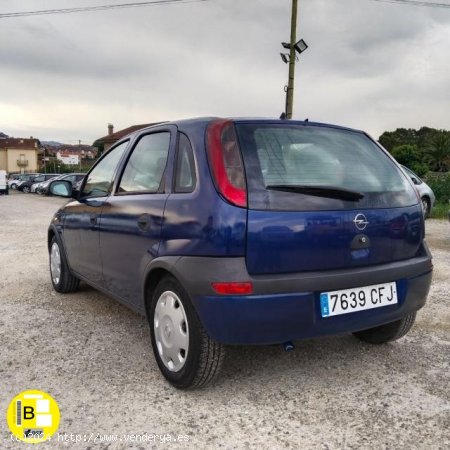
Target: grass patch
<point x="440" y="211"/>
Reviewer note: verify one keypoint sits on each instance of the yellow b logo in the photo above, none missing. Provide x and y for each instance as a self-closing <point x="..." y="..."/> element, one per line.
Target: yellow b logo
<point x="33" y="416"/>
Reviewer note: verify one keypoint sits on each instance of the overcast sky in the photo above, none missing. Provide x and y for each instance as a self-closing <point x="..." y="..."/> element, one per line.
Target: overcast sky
<point x="370" y="65"/>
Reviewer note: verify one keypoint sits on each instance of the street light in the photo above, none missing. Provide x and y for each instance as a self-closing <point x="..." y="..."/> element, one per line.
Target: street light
<point x="300" y="46"/>
<point x="285" y="57"/>
<point x="295" y="49"/>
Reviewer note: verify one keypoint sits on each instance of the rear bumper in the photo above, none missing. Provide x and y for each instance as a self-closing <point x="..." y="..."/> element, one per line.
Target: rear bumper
<point x="287" y="307"/>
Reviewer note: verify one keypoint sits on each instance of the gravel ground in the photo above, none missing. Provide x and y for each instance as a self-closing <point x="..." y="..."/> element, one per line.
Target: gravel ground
<point x="94" y="357"/>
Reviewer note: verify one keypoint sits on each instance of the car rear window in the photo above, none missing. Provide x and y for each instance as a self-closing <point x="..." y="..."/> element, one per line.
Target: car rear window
<point x="305" y="156"/>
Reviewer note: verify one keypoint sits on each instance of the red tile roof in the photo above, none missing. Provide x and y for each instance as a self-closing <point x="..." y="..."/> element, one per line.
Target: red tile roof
<point x="109" y="139"/>
<point x="19" y="143"/>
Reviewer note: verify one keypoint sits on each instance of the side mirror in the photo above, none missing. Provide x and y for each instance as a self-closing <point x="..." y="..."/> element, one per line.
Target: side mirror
<point x="61" y="188"/>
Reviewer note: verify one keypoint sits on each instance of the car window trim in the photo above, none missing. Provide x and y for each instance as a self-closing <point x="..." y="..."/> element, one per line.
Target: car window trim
<point x="80" y="197"/>
<point x="162" y="187"/>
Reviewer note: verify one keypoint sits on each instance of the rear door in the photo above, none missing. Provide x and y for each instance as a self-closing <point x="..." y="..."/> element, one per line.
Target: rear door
<point x="323" y="198"/>
<point x="131" y="219"/>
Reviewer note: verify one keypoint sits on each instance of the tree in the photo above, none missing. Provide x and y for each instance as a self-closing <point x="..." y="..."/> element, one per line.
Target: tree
<point x="410" y="156"/>
<point x="438" y="152"/>
<point x="401" y="136"/>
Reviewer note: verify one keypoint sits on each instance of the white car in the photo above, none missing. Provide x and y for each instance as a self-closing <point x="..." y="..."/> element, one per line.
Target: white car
<point x="427" y="196"/>
<point x="4" y="188"/>
<point x="17" y="180"/>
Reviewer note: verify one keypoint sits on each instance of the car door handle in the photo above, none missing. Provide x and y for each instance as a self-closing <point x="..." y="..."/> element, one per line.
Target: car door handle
<point x="144" y="222"/>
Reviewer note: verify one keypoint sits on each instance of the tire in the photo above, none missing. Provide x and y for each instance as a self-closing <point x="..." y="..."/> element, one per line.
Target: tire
<point x="388" y="332"/>
<point x="14" y="186"/>
<point x="63" y="281"/>
<point x="426" y="206"/>
<point x="172" y="318"/>
<point x="26" y="189"/>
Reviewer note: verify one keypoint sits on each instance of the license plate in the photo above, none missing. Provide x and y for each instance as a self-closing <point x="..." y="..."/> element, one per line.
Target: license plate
<point x="357" y="299"/>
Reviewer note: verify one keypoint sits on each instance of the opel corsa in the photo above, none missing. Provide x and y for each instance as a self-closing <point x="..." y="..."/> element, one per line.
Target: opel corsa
<point x="245" y="231"/>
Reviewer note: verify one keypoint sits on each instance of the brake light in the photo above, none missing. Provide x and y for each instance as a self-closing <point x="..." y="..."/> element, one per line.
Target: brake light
<point x="225" y="161"/>
<point x="233" y="288"/>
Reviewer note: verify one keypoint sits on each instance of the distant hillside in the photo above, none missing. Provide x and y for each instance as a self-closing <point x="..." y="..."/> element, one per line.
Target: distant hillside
<point x="3" y="135"/>
<point x="52" y="144"/>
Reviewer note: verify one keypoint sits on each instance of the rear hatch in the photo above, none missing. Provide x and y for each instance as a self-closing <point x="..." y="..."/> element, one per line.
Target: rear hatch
<point x="323" y="198"/>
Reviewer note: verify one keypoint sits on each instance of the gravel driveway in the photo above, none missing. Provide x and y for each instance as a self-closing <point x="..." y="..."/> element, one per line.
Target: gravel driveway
<point x="94" y="357"/>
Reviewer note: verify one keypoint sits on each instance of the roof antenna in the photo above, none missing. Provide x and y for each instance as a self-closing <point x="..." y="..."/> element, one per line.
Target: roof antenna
<point x="283" y="116"/>
<point x="306" y="120"/>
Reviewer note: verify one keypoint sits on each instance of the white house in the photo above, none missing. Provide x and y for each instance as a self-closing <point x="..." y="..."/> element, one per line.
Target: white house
<point x="70" y="159"/>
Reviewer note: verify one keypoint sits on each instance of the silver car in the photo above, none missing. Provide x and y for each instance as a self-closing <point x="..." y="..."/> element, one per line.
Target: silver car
<point x="426" y="194"/>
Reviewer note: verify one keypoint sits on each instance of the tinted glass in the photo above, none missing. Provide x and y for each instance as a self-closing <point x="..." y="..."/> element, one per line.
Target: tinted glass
<point x="145" y="167"/>
<point x="100" y="178"/>
<point x="185" y="178"/>
<point x="298" y="155"/>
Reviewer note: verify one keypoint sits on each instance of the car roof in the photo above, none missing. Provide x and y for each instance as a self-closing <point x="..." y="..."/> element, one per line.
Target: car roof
<point x="203" y="121"/>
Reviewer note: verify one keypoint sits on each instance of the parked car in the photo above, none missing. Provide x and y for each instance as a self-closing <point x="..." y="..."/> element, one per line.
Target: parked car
<point x="25" y="186"/>
<point x="74" y="178"/>
<point x="39" y="187"/>
<point x="48" y="177"/>
<point x="427" y="196"/>
<point x="35" y="187"/>
<point x="245" y="231"/>
<point x="4" y="188"/>
<point x="17" y="180"/>
<point x="51" y="176"/>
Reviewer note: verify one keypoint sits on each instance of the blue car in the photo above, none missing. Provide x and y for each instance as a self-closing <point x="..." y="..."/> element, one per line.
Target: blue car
<point x="245" y="231"/>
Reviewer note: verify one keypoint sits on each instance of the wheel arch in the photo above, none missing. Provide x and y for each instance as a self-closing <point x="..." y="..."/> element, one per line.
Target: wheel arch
<point x="50" y="234"/>
<point x="157" y="270"/>
<point x="427" y="198"/>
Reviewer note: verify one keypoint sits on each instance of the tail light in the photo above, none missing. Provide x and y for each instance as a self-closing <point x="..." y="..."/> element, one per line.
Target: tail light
<point x="233" y="288"/>
<point x="226" y="163"/>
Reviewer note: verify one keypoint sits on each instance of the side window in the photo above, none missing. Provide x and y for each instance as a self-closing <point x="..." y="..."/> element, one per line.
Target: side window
<point x="185" y="178"/>
<point x="145" y="167"/>
<point x="99" y="181"/>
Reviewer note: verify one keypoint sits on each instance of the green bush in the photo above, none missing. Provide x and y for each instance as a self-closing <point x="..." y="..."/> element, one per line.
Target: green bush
<point x="440" y="211"/>
<point x="440" y="183"/>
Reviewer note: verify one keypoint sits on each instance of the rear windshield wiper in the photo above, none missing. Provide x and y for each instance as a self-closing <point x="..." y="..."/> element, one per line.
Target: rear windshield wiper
<point x="319" y="191"/>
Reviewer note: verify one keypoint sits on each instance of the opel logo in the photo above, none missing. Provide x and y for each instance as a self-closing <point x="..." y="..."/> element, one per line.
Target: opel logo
<point x="360" y="221"/>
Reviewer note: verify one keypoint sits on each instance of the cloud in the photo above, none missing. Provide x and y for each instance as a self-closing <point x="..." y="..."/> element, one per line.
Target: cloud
<point x="370" y="65"/>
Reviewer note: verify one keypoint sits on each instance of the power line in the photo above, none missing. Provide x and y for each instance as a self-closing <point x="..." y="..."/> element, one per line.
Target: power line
<point x="415" y="3"/>
<point x="94" y="8"/>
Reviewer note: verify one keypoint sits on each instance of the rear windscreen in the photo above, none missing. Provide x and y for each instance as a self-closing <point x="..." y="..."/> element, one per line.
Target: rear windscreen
<point x="298" y="156"/>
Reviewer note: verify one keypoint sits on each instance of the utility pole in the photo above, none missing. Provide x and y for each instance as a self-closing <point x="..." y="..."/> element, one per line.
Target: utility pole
<point x="290" y="87"/>
<point x="79" y="151"/>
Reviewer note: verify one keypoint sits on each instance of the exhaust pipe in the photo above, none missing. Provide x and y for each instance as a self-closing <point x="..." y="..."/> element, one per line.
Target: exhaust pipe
<point x="288" y="346"/>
